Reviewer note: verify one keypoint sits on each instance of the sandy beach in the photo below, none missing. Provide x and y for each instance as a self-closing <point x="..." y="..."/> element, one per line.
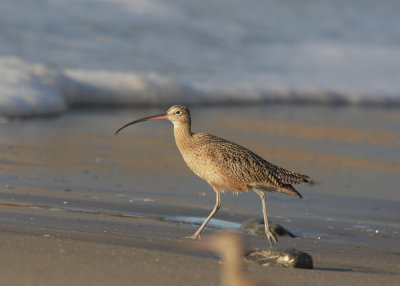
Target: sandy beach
<point x="81" y="206"/>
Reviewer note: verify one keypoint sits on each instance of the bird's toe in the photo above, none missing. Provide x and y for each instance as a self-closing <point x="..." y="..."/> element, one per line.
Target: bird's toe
<point x="272" y="239"/>
<point x="193" y="237"/>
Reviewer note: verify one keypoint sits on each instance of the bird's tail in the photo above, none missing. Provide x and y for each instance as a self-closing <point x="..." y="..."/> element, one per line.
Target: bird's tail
<point x="290" y="190"/>
<point x="284" y="188"/>
<point x="289" y="177"/>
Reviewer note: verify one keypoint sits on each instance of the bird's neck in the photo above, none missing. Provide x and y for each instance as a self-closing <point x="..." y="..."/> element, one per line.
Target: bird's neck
<point x="183" y="135"/>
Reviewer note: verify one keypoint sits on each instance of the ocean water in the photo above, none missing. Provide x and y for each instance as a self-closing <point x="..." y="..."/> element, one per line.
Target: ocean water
<point x="57" y="54"/>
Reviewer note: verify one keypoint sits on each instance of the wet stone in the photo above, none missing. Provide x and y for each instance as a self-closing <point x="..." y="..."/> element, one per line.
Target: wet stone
<point x="255" y="226"/>
<point x="280" y="257"/>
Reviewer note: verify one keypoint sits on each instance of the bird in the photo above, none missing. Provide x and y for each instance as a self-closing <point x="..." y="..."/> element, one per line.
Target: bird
<point x="226" y="166"/>
<point x="229" y="246"/>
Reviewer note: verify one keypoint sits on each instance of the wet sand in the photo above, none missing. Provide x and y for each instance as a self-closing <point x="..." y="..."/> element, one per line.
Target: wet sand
<point x="81" y="206"/>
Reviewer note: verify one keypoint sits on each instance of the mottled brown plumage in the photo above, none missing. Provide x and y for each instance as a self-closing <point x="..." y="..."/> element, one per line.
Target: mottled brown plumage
<point x="241" y="165"/>
<point x="225" y="165"/>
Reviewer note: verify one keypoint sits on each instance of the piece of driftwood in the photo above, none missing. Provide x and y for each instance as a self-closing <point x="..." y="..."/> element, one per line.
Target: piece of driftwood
<point x="280" y="257"/>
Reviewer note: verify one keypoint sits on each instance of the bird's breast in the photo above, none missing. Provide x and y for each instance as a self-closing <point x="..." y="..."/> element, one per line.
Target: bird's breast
<point x="207" y="167"/>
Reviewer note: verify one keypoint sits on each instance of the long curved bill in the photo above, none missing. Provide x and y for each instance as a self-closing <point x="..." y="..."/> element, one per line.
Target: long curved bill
<point x="158" y="116"/>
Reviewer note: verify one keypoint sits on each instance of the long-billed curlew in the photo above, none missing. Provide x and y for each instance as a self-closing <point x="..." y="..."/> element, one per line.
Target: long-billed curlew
<point x="226" y="166"/>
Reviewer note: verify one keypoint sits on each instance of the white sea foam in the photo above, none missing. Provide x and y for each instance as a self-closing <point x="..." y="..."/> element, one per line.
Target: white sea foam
<point x="28" y="90"/>
<point x="106" y="88"/>
<point x="35" y="90"/>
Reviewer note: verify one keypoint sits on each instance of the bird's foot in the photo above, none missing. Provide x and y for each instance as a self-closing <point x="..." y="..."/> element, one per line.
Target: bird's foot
<point x="271" y="237"/>
<point x="193" y="237"/>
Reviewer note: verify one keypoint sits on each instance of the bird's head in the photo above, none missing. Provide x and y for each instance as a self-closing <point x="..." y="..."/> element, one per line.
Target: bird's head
<point x="177" y="114"/>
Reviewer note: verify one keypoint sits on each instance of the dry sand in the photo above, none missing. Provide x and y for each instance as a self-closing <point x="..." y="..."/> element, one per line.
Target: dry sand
<point x="80" y="206"/>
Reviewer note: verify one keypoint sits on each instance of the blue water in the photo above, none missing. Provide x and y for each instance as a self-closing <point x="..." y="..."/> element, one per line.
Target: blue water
<point x="59" y="54"/>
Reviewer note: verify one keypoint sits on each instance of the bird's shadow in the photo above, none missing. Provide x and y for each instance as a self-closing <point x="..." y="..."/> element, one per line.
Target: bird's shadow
<point x="333" y="269"/>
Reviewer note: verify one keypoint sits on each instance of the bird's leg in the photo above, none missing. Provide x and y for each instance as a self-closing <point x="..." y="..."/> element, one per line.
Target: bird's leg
<point x="271" y="236"/>
<point x="196" y="235"/>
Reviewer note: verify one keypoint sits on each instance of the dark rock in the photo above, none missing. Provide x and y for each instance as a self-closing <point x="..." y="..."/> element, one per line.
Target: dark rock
<point x="256" y="227"/>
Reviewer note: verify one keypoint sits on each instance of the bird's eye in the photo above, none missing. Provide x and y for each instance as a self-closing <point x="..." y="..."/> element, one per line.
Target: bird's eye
<point x="177" y="112"/>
